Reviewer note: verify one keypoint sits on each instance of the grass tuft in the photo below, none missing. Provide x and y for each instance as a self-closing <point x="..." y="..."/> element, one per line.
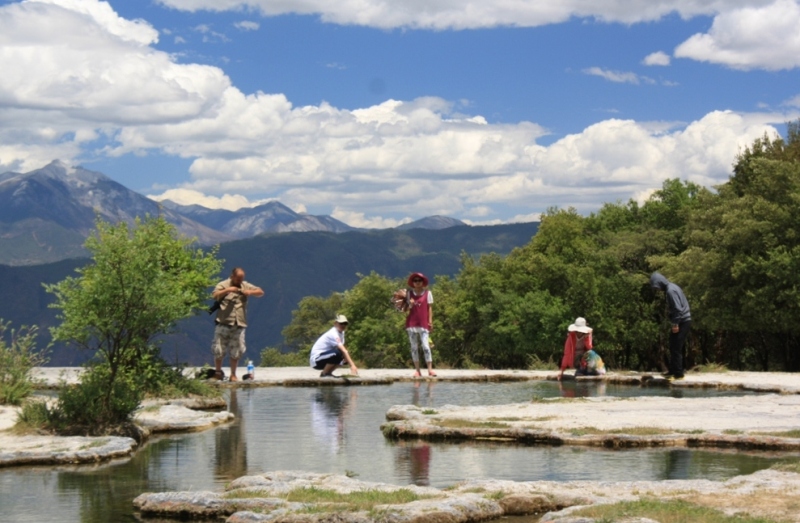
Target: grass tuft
<point x="709" y="367"/>
<point x="354" y="501"/>
<point x="469" y="424"/>
<point x="671" y="511"/>
<point x="780" y="434"/>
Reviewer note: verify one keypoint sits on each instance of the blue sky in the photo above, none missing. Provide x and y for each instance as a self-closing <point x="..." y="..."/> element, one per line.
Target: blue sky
<point x="379" y="113"/>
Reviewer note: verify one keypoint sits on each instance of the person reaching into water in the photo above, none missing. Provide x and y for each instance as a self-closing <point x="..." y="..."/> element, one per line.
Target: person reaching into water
<point x="329" y="352"/>
<point x="419" y="322"/>
<point x="579" y="340"/>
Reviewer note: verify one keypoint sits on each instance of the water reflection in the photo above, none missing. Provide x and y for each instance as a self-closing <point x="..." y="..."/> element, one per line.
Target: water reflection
<point x="335" y="429"/>
<point x="413" y="461"/>
<point x="329" y="409"/>
<point x="230" y="443"/>
<point x="422" y="394"/>
<point x="581" y="389"/>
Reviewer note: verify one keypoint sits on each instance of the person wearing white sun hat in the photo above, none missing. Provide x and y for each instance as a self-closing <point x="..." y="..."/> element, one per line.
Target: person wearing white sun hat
<point x="579" y="340"/>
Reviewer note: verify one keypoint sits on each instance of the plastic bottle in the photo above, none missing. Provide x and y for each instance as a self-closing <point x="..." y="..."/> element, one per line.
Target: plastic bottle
<point x="251" y="370"/>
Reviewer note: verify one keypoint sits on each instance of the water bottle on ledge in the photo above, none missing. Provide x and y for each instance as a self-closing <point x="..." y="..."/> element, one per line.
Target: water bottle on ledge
<point x="251" y="370"/>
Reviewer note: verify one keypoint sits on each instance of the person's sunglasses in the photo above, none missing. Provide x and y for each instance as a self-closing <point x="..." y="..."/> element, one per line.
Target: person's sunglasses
<point x="415" y="280"/>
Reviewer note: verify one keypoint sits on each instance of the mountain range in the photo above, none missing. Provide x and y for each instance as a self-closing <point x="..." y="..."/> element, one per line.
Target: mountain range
<point x="46" y="215"/>
<point x="287" y="266"/>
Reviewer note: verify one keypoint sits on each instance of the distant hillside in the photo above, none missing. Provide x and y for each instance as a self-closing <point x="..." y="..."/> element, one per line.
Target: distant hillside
<point x="432" y="222"/>
<point x="46" y="214"/>
<point x="266" y="218"/>
<point x="288" y="267"/>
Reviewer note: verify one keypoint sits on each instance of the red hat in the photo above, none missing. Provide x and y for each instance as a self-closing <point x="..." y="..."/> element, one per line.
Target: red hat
<point x="417" y="275"/>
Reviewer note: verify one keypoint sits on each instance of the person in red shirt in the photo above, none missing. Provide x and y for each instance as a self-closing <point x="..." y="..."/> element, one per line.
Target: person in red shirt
<point x="579" y="340"/>
<point x="419" y="321"/>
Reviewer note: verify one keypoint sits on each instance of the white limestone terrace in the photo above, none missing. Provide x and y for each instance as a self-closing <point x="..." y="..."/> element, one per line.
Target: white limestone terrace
<point x="779" y="382"/>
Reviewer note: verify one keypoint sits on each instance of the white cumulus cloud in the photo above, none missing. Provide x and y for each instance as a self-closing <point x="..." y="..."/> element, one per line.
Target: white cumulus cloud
<point x="658" y="58"/>
<point x="230" y="202"/>
<point x="98" y="79"/>
<point x="470" y="14"/>
<point x="751" y="37"/>
<point x="247" y="25"/>
<point x="622" y="77"/>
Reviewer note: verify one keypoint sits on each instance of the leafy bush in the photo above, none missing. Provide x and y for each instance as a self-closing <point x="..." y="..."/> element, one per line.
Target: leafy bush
<point x="159" y="379"/>
<point x="99" y="403"/>
<point x="272" y="357"/>
<point x="18" y="356"/>
<point x="35" y="415"/>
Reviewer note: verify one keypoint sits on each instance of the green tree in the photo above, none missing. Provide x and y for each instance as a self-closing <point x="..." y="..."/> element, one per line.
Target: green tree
<point x="141" y="281"/>
<point x="742" y="261"/>
<point x="376" y="335"/>
<point x="18" y="356"/>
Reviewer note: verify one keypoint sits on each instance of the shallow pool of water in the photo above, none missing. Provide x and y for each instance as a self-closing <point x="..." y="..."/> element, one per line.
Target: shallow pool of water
<point x="335" y="429"/>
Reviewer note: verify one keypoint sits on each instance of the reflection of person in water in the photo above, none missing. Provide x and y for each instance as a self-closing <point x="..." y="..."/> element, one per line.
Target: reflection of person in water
<point x="230" y="446"/>
<point x="574" y="389"/>
<point x="427" y="401"/>
<point x="678" y="463"/>
<point x="329" y="409"/>
<point x="416" y="459"/>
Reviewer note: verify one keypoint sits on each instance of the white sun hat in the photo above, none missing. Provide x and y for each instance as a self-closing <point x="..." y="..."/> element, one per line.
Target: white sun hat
<point x="580" y="326"/>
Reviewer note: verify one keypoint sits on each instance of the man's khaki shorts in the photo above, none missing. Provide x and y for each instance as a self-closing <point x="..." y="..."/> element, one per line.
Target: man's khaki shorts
<point x="228" y="340"/>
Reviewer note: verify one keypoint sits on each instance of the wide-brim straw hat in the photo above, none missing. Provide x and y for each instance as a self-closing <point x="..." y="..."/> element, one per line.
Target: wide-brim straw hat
<point x="417" y="275"/>
<point x="580" y="326"/>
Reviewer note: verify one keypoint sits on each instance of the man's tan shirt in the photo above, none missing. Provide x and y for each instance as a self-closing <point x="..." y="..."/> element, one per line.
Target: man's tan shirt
<point x="233" y="309"/>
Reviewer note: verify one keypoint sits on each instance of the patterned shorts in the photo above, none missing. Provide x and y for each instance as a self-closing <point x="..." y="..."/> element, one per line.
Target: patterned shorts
<point x="228" y="339"/>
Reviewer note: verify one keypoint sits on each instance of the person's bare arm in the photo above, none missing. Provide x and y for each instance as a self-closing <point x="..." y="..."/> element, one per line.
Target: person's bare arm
<point x="253" y="291"/>
<point x="353" y="368"/>
<point x="430" y="318"/>
<point x="221" y="293"/>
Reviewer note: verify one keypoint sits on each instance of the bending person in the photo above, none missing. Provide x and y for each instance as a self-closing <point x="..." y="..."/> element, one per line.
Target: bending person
<point x="579" y="340"/>
<point x="329" y="352"/>
<point x="681" y="320"/>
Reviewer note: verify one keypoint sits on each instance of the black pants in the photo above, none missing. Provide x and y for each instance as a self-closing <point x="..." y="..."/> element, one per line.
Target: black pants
<point x="676" y="342"/>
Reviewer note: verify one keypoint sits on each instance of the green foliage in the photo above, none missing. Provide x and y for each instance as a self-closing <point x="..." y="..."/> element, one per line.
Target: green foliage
<point x="665" y="511"/>
<point x="272" y="357"/>
<point x="101" y="401"/>
<point x="18" y="356"/>
<point x="34" y="416"/>
<point x="735" y="252"/>
<point x="376" y="336"/>
<point x="141" y="281"/>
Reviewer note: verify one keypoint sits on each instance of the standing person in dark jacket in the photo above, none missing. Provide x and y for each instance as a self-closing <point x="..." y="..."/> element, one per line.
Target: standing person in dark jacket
<point x="681" y="320"/>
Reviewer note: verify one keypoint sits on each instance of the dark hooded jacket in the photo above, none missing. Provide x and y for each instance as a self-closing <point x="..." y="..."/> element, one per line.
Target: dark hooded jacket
<point x="678" y="304"/>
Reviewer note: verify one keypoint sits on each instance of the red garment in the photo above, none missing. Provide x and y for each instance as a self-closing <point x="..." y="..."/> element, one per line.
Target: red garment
<point x="418" y="311"/>
<point x="569" y="349"/>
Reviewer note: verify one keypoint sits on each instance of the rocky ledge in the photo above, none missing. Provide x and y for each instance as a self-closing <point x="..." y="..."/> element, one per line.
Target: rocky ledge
<point x="154" y="416"/>
<point x="309" y="497"/>
<point x="765" y="422"/>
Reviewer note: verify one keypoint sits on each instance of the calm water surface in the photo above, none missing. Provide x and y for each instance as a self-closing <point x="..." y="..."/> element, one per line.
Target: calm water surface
<point x="335" y="429"/>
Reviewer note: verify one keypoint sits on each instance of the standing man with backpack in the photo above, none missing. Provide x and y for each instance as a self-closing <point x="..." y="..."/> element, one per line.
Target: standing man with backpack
<point x="681" y="320"/>
<point x="231" y="320"/>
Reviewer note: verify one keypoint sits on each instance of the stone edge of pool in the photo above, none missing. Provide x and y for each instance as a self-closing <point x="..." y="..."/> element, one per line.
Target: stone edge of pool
<point x="153" y="417"/>
<point x="768" y="422"/>
<point x="262" y="498"/>
<point x="762" y="382"/>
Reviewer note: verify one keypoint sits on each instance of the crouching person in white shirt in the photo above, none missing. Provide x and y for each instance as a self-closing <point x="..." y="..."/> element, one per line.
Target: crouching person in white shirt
<point x="329" y="352"/>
